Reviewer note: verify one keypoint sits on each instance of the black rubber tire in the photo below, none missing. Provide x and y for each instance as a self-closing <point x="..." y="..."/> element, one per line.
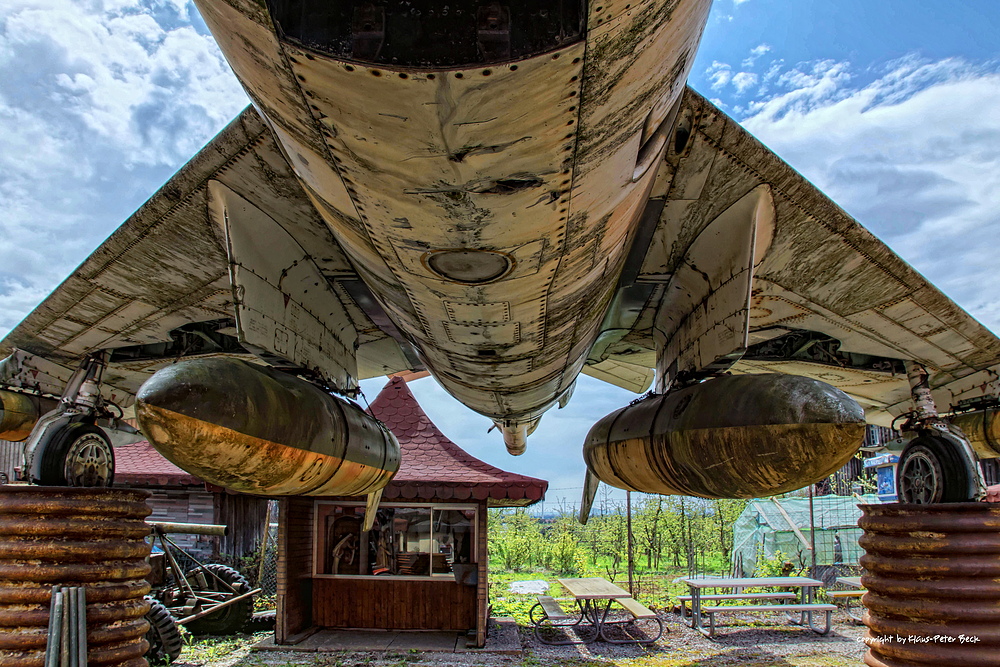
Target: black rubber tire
<point x="955" y="477"/>
<point x="98" y="471"/>
<point x="164" y="637"/>
<point x="229" y="620"/>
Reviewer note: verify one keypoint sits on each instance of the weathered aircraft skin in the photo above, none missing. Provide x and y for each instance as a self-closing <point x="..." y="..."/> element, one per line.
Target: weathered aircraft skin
<point x="19" y="413"/>
<point x="493" y="239"/>
<point x="504" y="216"/>
<point x="740" y="436"/>
<point x="255" y="430"/>
<point x="982" y="428"/>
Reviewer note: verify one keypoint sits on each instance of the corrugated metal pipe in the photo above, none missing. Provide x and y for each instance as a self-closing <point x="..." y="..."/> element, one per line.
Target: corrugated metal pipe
<point x="80" y="538"/>
<point x="933" y="580"/>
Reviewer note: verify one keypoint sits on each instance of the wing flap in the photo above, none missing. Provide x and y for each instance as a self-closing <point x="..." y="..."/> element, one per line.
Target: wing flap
<point x="820" y="272"/>
<point x="621" y="374"/>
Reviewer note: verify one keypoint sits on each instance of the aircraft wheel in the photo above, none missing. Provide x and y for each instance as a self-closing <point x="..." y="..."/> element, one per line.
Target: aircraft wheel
<point x="931" y="471"/>
<point x="77" y="455"/>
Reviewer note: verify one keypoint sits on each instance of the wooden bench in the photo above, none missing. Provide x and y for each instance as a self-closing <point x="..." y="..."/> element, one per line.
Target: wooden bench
<point x="639" y="612"/>
<point x="805" y="610"/>
<point x="683" y="599"/>
<point x="552" y="615"/>
<point x="849" y="596"/>
<point x="551" y="608"/>
<point x="846" y="594"/>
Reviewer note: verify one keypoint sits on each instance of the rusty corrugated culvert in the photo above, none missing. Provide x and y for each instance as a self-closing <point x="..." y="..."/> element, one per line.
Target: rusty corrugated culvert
<point x="91" y="537"/>
<point x="933" y="580"/>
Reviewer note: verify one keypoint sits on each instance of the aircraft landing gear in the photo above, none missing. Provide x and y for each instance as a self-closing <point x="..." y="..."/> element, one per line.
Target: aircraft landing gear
<point x="938" y="465"/>
<point x="77" y="454"/>
<point x="932" y="470"/>
<point x="65" y="447"/>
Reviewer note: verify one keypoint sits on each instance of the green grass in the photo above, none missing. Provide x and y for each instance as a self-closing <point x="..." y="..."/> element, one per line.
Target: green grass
<point x="199" y="649"/>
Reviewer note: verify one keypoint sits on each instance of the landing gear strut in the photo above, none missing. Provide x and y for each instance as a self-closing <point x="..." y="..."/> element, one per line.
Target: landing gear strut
<point x="66" y="447"/>
<point x="938" y="465"/>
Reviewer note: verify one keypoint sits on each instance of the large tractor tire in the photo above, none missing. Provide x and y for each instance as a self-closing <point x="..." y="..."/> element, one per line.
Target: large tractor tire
<point x="229" y="620"/>
<point x="164" y="637"/>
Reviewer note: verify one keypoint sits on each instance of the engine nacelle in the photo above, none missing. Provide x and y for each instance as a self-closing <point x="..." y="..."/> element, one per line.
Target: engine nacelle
<point x="256" y="430"/>
<point x="739" y="436"/>
<point x="19" y="413"/>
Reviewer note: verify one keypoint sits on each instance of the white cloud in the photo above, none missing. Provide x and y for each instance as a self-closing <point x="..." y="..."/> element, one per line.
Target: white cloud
<point x="755" y="53"/>
<point x="101" y="103"/>
<point x="914" y="156"/>
<point x="719" y="74"/>
<point x="743" y="81"/>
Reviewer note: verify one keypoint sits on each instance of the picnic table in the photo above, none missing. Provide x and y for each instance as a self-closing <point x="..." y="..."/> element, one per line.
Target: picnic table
<point x="854" y="591"/>
<point x="594" y="597"/>
<point x="774" y="601"/>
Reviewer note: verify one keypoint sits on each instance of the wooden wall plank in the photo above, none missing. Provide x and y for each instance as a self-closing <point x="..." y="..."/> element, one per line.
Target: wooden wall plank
<point x="394" y="604"/>
<point x="295" y="590"/>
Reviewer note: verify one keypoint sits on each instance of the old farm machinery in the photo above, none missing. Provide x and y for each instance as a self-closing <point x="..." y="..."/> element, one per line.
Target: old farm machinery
<point x="206" y="598"/>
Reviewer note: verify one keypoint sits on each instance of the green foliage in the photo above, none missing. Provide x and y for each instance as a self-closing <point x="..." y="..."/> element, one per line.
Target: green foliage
<point x="562" y="553"/>
<point x="673" y="532"/>
<point x="775" y="566"/>
<point x="672" y="537"/>
<point x="198" y="649"/>
<point x="515" y="540"/>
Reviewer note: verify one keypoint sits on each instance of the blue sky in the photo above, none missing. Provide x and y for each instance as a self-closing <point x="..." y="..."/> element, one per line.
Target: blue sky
<point x="888" y="106"/>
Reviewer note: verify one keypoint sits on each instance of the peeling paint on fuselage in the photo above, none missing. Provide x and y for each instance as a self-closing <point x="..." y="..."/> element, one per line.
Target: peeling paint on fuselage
<point x="535" y="159"/>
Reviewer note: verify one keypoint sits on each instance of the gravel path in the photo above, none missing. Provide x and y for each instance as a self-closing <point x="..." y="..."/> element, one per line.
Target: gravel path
<point x="743" y="641"/>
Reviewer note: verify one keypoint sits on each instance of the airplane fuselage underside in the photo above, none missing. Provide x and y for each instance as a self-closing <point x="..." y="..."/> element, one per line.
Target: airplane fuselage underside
<point x="488" y="204"/>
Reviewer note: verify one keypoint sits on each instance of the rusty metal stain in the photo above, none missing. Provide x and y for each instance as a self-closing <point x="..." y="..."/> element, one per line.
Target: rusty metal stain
<point x="731" y="437"/>
<point x="933" y="580"/>
<point x="982" y="427"/>
<point x="253" y="429"/>
<point x="73" y="536"/>
<point x="19" y="412"/>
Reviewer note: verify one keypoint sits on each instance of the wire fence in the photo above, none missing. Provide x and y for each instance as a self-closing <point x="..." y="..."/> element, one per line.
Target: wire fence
<point x="260" y="568"/>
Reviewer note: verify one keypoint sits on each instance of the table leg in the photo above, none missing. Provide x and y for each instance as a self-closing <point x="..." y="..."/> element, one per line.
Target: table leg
<point x="696" y="608"/>
<point x="602" y="619"/>
<point x="585" y="609"/>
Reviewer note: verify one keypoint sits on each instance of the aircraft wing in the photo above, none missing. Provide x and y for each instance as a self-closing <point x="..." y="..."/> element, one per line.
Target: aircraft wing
<point x="743" y="265"/>
<point x="161" y="286"/>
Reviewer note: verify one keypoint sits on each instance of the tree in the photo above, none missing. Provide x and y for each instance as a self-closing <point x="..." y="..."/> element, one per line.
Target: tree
<point x="515" y="539"/>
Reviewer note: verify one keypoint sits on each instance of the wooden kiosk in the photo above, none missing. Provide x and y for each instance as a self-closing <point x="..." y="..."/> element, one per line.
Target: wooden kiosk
<point x="423" y="566"/>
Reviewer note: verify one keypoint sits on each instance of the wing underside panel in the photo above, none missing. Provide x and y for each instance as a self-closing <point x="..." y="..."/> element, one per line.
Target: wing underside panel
<point x="815" y="269"/>
<point x="164" y="276"/>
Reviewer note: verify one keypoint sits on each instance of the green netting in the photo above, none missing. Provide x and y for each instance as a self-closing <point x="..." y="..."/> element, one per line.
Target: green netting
<point x="762" y="530"/>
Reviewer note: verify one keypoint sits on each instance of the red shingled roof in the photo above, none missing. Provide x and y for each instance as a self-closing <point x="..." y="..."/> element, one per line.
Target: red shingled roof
<point x="140" y="464"/>
<point x="433" y="466"/>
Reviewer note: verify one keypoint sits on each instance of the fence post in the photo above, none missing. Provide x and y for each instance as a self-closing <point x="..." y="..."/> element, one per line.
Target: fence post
<point x="263" y="544"/>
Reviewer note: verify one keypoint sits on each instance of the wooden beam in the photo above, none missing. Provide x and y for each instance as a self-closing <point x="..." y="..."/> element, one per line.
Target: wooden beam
<point x="798" y="533"/>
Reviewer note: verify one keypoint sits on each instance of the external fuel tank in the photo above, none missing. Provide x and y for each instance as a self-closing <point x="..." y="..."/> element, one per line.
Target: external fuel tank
<point x="19" y="413"/>
<point x="739" y="436"/>
<point x="982" y="428"/>
<point x="253" y="429"/>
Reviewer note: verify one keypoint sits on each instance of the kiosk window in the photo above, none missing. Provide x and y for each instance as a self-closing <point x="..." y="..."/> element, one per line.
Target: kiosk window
<point x="409" y="541"/>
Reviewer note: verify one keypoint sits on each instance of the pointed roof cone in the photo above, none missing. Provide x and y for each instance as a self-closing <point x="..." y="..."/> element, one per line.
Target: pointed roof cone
<point x="434" y="467"/>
